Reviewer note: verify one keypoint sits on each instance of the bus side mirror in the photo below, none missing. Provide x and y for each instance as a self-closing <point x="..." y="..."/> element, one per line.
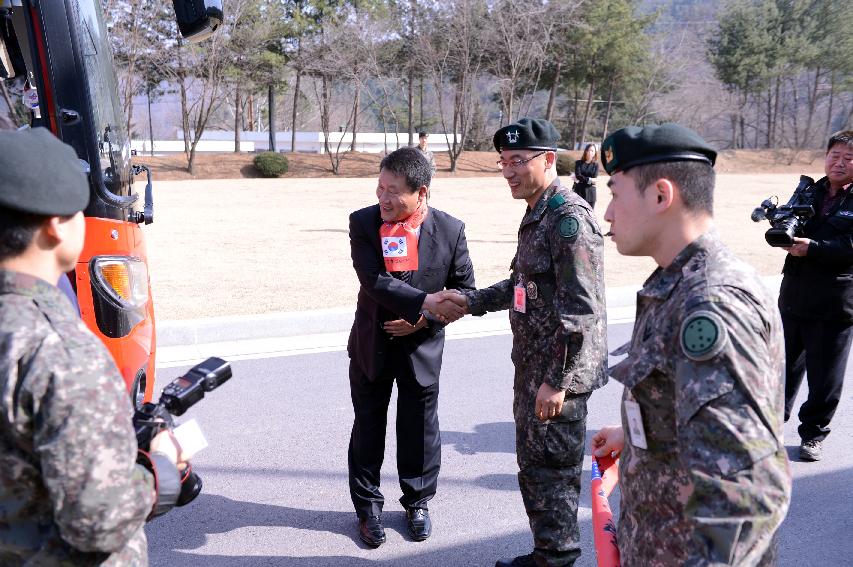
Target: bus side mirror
<point x="198" y="19"/>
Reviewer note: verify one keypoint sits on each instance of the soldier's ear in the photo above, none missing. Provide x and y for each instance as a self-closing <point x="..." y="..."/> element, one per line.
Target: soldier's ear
<point x="664" y="193"/>
<point x="550" y="159"/>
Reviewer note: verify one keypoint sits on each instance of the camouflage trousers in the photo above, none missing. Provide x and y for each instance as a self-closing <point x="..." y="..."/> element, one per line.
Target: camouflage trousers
<point x="550" y="460"/>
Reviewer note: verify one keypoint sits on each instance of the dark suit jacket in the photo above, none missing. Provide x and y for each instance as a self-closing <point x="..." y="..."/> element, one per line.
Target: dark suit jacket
<point x="819" y="285"/>
<point x="443" y="263"/>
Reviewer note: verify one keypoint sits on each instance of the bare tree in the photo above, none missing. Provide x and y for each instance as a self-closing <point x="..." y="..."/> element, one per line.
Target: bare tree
<point x="453" y="56"/>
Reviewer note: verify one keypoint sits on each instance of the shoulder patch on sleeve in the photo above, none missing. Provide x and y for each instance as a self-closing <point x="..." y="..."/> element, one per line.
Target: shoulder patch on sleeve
<point x="569" y="226"/>
<point x="555" y="201"/>
<point x="703" y="335"/>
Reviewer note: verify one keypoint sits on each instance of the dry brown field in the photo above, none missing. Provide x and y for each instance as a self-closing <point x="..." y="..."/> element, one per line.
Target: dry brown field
<point x="252" y="246"/>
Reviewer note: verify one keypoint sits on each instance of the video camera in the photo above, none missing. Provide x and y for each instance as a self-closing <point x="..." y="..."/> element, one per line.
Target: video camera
<point x="175" y="399"/>
<point x="788" y="220"/>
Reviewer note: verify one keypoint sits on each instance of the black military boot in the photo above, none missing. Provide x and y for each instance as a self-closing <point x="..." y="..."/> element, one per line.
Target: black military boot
<point x="520" y="561"/>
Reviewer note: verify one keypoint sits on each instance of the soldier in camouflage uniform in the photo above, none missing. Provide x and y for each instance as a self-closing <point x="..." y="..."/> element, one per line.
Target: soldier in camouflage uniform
<point x="704" y="474"/>
<point x="71" y="493"/>
<point x="555" y="295"/>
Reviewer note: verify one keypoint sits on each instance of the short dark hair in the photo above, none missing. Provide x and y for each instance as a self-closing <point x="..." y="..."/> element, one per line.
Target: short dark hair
<point x="843" y="137"/>
<point x="16" y="231"/>
<point x="422" y="134"/>
<point x="410" y="163"/>
<point x="694" y="179"/>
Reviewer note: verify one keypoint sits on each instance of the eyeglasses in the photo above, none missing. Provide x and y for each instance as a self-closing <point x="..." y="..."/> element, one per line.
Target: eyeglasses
<point x="516" y="163"/>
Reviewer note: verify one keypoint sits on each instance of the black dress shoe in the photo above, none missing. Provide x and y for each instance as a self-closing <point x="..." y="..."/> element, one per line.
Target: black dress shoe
<point x="420" y="526"/>
<point x="520" y="561"/>
<point x="371" y="531"/>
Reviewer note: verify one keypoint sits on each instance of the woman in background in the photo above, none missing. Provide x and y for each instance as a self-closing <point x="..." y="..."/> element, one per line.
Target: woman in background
<point x="586" y="170"/>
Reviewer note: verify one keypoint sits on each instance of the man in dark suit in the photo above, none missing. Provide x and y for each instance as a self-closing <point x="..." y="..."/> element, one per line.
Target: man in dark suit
<point x="816" y="299"/>
<point x="403" y="252"/>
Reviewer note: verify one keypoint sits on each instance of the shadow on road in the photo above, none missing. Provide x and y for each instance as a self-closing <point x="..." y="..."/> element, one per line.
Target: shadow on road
<point x="497" y="437"/>
<point x="173" y="538"/>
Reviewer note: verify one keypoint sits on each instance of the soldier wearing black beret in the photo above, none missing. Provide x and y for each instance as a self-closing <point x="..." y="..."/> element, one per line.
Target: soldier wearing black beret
<point x="72" y="493"/>
<point x="555" y="297"/>
<point x="703" y="472"/>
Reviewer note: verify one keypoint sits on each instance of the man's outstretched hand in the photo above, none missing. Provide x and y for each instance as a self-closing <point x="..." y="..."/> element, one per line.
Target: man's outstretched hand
<point x="447" y="305"/>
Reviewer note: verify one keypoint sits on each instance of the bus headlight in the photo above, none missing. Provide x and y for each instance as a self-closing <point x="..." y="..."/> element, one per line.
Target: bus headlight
<point x="124" y="279"/>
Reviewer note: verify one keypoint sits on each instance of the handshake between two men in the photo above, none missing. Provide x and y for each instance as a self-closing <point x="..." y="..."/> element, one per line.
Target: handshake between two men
<point x="447" y="306"/>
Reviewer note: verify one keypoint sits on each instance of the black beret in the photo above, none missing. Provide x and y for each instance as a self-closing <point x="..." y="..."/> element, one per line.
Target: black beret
<point x="40" y="175"/>
<point x="633" y="145"/>
<point x="527" y="134"/>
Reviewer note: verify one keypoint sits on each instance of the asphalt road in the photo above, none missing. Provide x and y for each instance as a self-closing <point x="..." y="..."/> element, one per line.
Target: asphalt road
<point x="276" y="478"/>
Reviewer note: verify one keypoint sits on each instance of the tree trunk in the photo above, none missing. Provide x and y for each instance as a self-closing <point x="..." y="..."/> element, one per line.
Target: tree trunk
<point x="251" y="111"/>
<point x="150" y="126"/>
<point x="411" y="106"/>
<point x="238" y="122"/>
<point x="733" y="117"/>
<point x="421" y="125"/>
<point x="296" y="95"/>
<point x="828" y="129"/>
<point x="549" y="112"/>
<point x="757" y="118"/>
<point x="185" y="117"/>
<point x="271" y="97"/>
<point x="587" y="109"/>
<point x="456" y="109"/>
<point x="574" y="111"/>
<point x="607" y="113"/>
<point x="812" y="104"/>
<point x="769" y="117"/>
<point x="742" y="131"/>
<point x="356" y="103"/>
<point x="293" y="117"/>
<point x="384" y="132"/>
<point x="774" y="124"/>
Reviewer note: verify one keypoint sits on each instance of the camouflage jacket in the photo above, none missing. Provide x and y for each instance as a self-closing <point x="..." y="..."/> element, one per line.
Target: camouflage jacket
<point x="705" y="366"/>
<point x="71" y="492"/>
<point x="558" y="268"/>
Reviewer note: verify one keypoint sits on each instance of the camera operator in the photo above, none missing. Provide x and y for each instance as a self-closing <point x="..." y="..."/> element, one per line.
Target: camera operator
<point x="71" y="491"/>
<point x="816" y="299"/>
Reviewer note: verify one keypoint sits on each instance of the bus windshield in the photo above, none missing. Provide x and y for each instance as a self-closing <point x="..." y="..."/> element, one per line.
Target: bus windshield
<point x="109" y="123"/>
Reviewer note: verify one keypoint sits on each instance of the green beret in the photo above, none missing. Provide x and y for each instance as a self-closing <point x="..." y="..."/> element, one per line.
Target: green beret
<point x="40" y="175"/>
<point x="632" y="146"/>
<point x="527" y="134"/>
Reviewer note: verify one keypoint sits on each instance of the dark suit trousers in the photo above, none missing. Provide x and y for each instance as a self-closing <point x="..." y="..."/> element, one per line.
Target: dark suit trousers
<point x="418" y="437"/>
<point x="819" y="349"/>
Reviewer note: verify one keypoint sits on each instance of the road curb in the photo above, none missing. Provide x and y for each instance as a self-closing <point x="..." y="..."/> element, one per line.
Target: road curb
<point x="322" y="330"/>
<point x="299" y="323"/>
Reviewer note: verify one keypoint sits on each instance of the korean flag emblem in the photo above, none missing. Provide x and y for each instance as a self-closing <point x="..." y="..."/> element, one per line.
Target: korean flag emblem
<point x="512" y="137"/>
<point x="394" y="247"/>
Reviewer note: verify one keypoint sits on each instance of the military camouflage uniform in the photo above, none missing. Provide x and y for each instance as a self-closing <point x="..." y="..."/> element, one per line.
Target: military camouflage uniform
<point x="71" y="493"/>
<point x="561" y="340"/>
<point x="705" y="366"/>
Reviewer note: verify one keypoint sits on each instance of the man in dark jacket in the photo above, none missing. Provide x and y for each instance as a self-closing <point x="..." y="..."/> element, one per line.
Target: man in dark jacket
<point x="402" y="251"/>
<point x="816" y="299"/>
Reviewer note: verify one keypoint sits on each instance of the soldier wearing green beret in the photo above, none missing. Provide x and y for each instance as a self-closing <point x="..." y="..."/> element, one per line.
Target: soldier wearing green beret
<point x="71" y="492"/>
<point x="555" y="297"/>
<point x="704" y="475"/>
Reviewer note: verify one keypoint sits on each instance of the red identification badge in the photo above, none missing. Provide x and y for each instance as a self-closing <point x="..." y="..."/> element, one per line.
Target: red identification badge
<point x="520" y="299"/>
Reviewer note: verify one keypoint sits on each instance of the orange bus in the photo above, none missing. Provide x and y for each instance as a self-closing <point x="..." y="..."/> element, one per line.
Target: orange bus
<point x="61" y="52"/>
